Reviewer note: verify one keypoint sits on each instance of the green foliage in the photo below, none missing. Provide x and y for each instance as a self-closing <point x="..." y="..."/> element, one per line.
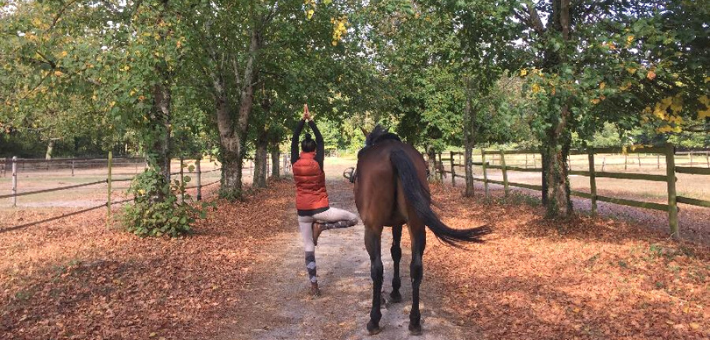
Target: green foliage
<point x="503" y="114"/>
<point x="609" y="136"/>
<point x="48" y="71"/>
<point x="645" y="68"/>
<point x="156" y="210"/>
<point x="415" y="48"/>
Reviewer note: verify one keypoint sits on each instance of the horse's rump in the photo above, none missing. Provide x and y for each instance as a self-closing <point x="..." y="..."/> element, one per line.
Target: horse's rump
<point x="381" y="187"/>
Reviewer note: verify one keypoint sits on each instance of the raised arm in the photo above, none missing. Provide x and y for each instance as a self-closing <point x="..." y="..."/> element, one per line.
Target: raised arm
<point x="294" y="141"/>
<point x="320" y="147"/>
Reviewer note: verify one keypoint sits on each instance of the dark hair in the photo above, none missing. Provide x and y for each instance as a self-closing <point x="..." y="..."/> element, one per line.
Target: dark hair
<point x="308" y="145"/>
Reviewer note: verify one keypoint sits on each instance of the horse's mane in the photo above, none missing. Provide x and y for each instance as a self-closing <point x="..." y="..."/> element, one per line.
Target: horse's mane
<point x="380" y="134"/>
<point x="377" y="135"/>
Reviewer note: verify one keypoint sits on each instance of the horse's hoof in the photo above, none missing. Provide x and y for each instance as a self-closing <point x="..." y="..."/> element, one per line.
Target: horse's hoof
<point x="373" y="329"/>
<point x="395" y="297"/>
<point x="415" y="329"/>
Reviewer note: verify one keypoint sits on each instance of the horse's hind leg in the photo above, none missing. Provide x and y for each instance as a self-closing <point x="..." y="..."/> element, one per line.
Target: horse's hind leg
<point x="418" y="236"/>
<point x="373" y="245"/>
<point x="396" y="252"/>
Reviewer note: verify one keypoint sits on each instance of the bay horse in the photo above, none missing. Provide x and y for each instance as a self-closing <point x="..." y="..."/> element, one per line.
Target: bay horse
<point x="391" y="189"/>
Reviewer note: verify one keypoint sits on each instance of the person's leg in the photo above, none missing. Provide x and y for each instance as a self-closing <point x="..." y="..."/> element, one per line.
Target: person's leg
<point x="304" y="224"/>
<point x="335" y="215"/>
<point x="333" y="218"/>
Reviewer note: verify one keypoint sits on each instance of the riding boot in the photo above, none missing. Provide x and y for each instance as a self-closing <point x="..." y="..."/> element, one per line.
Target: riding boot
<point x="315" y="291"/>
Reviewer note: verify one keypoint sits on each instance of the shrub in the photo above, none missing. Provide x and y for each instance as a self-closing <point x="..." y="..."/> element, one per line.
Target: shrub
<point x="156" y="210"/>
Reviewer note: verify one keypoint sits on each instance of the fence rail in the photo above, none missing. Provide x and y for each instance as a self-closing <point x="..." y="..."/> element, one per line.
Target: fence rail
<point x="668" y="152"/>
<point x="53" y="189"/>
<point x="71" y="164"/>
<point x="110" y="162"/>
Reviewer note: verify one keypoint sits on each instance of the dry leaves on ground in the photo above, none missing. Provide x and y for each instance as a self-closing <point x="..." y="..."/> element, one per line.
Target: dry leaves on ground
<point x="73" y="278"/>
<point x="598" y="279"/>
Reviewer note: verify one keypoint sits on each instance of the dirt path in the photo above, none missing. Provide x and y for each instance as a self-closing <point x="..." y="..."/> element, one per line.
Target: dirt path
<point x="279" y="306"/>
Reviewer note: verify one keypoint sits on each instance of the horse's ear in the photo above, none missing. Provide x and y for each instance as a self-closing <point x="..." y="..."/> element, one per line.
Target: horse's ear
<point x="364" y="132"/>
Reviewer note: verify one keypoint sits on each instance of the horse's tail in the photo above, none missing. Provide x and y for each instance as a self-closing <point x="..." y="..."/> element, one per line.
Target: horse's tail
<point x="419" y="198"/>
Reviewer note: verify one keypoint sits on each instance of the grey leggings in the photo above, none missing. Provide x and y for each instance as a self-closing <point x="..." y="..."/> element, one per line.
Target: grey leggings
<point x="304" y="224"/>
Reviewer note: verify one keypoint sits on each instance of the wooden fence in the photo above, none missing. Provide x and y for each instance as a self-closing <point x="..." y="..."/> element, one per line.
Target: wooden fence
<point x="667" y="152"/>
<point x="15" y="166"/>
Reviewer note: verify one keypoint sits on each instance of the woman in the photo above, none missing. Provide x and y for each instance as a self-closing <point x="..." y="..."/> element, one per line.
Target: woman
<point x="311" y="195"/>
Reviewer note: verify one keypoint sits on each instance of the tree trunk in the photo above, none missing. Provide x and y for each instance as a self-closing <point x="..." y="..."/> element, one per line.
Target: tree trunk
<point x="555" y="152"/>
<point x="558" y="194"/>
<point x="434" y="175"/>
<point x="545" y="165"/>
<point x="275" y="162"/>
<point x="555" y="149"/>
<point x="50" y="148"/>
<point x="231" y="158"/>
<point x="468" y="159"/>
<point x="161" y="145"/>
<point x="159" y="153"/>
<point x="233" y="131"/>
<point x="262" y="143"/>
<point x="468" y="137"/>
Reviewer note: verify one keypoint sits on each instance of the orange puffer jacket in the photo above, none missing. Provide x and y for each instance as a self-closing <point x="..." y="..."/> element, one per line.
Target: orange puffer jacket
<point x="310" y="183"/>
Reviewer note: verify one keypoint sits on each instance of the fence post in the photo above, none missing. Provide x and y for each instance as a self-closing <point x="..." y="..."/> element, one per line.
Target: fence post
<point x="672" y="204"/>
<point x="199" y="179"/>
<point x="440" y="167"/>
<point x="592" y="182"/>
<point x="690" y="155"/>
<point x="658" y="161"/>
<point x="626" y="161"/>
<point x="603" y="163"/>
<point x="72" y="168"/>
<point x="453" y="172"/>
<point x="638" y="156"/>
<point x="534" y="160"/>
<point x="485" y="174"/>
<point x="505" y="173"/>
<point x="14" y="181"/>
<point x="108" y="198"/>
<point x="182" y="180"/>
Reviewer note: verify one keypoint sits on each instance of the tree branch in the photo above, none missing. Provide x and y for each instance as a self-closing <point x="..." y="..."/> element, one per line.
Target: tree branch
<point x="522" y="18"/>
<point x="59" y="15"/>
<point x="235" y="67"/>
<point x="535" y="18"/>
